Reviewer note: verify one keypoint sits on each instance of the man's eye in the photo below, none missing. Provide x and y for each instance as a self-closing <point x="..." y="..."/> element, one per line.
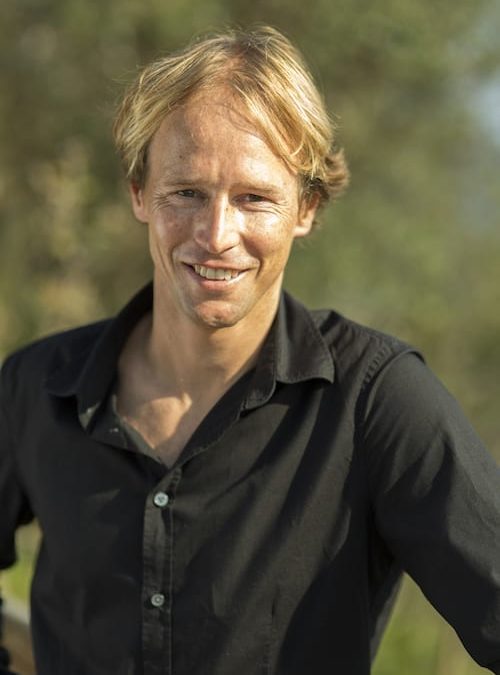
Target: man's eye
<point x="253" y="198"/>
<point x="189" y="194"/>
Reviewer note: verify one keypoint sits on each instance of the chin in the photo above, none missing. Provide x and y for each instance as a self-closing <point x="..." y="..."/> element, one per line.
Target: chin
<point x="218" y="317"/>
<point x="217" y="320"/>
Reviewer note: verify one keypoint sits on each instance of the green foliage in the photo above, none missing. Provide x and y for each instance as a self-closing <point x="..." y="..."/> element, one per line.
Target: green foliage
<point x="413" y="248"/>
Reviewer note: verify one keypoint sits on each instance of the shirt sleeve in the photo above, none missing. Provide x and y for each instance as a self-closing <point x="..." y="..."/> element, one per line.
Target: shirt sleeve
<point x="436" y="499"/>
<point x="14" y="506"/>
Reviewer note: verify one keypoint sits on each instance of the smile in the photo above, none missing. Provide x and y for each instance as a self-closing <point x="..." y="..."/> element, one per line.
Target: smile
<point x="217" y="273"/>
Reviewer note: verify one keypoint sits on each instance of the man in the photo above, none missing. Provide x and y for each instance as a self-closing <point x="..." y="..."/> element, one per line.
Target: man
<point x="226" y="482"/>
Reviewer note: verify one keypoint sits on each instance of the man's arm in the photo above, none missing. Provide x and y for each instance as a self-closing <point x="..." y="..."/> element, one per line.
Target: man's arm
<point x="436" y="498"/>
<point x="14" y="507"/>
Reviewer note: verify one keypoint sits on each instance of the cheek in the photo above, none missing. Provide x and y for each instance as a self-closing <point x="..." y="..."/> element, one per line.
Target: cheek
<point x="161" y="240"/>
<point x="166" y="229"/>
<point x="272" y="239"/>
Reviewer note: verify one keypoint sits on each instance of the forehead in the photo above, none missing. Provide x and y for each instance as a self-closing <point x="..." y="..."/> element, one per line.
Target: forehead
<point x="215" y="128"/>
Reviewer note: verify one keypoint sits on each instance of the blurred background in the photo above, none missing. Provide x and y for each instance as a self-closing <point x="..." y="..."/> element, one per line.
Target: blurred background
<point x="413" y="248"/>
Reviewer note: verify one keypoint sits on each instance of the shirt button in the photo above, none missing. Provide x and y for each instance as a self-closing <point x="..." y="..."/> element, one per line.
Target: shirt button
<point x="158" y="600"/>
<point x="160" y="499"/>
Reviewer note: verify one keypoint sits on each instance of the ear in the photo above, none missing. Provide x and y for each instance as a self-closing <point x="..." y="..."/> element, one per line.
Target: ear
<point x="138" y="203"/>
<point x="307" y="212"/>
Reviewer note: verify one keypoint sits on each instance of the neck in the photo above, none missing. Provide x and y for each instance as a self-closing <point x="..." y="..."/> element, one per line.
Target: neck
<point x="188" y="356"/>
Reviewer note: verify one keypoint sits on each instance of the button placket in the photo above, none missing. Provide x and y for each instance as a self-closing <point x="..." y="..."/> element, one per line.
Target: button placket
<point x="158" y="548"/>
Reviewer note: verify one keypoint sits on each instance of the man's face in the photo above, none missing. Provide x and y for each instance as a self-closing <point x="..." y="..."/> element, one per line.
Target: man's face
<point x="222" y="211"/>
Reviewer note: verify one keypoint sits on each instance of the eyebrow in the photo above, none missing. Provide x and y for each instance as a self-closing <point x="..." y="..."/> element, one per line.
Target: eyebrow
<point x="179" y="180"/>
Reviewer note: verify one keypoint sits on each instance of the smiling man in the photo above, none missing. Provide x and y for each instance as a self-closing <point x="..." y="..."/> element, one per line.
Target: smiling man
<point x="226" y="482"/>
<point x="222" y="211"/>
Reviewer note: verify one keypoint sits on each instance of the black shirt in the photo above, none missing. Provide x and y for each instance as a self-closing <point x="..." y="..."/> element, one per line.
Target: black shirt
<point x="275" y="542"/>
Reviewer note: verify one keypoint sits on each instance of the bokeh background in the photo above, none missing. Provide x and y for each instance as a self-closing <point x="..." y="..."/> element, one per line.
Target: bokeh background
<point x="413" y="248"/>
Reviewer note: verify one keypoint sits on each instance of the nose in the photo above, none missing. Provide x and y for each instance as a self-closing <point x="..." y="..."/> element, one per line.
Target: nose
<point x="217" y="227"/>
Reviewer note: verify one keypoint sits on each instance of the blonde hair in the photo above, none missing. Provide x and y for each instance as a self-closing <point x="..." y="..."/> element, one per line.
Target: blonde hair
<point x="268" y="75"/>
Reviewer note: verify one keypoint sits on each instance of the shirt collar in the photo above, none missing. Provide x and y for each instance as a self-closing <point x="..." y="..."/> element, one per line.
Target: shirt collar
<point x="294" y="351"/>
<point x="88" y="373"/>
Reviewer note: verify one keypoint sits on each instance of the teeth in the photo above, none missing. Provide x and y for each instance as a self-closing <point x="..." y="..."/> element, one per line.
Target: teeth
<point x="215" y="273"/>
